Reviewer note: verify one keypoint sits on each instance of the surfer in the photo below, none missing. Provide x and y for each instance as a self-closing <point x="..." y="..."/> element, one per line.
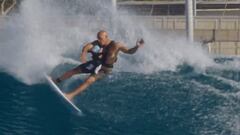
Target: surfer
<point x="95" y="48"/>
<point x="108" y="57"/>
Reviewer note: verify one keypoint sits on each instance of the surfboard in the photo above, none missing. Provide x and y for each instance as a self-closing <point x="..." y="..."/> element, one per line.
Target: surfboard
<point x="61" y="94"/>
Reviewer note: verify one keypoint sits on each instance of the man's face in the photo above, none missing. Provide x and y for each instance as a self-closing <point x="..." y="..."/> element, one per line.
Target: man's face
<point x="103" y="39"/>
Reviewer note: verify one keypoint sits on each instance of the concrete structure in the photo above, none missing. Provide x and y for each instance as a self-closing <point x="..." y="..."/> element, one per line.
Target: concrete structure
<point x="222" y="32"/>
<point x="189" y="19"/>
<point x="216" y="23"/>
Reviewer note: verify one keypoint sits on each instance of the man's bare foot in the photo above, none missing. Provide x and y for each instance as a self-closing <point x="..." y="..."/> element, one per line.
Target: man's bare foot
<point x="69" y="96"/>
<point x="54" y="80"/>
<point x="57" y="81"/>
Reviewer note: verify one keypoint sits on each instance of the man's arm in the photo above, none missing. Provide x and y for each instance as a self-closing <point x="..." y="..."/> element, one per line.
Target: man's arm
<point x="124" y="49"/>
<point x="85" y="50"/>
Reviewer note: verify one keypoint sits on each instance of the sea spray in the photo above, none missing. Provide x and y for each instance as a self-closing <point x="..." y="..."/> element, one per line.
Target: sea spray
<point x="47" y="32"/>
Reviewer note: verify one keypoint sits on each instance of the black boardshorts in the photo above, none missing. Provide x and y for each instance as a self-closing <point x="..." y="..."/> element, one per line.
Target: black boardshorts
<point x="88" y="67"/>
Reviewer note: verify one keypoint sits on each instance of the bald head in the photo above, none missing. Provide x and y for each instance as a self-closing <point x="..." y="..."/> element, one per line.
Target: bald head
<point x="102" y="37"/>
<point x="101" y="34"/>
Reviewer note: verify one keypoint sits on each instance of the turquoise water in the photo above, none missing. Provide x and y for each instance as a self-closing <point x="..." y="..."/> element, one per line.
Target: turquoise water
<point x="149" y="93"/>
<point x="183" y="102"/>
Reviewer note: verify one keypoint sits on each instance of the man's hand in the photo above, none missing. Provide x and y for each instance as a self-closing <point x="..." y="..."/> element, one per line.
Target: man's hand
<point x="140" y="42"/>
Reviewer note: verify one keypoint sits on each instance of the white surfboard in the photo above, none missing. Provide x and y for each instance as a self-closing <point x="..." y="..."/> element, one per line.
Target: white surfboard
<point x="59" y="92"/>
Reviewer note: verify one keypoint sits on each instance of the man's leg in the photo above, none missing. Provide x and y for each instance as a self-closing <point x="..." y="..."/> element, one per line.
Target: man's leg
<point x="69" y="74"/>
<point x="83" y="68"/>
<point x="90" y="80"/>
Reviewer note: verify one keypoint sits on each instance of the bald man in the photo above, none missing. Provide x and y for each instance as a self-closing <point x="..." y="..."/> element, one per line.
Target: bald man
<point x="107" y="56"/>
<point x="95" y="48"/>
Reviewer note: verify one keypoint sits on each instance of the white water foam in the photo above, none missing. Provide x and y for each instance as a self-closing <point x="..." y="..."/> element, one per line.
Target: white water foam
<point x="46" y="33"/>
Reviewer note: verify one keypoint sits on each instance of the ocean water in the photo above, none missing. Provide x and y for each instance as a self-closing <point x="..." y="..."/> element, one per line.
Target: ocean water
<point x="182" y="102"/>
<point x="169" y="87"/>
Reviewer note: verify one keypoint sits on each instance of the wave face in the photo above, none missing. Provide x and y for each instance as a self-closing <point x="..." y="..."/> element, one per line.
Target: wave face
<point x="170" y="86"/>
<point x="175" y="103"/>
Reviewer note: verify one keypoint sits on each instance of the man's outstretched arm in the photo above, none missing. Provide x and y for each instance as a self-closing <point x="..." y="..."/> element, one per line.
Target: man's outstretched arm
<point x="124" y="49"/>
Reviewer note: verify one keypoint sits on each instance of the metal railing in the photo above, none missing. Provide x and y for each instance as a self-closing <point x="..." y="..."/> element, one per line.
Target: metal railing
<point x="184" y="0"/>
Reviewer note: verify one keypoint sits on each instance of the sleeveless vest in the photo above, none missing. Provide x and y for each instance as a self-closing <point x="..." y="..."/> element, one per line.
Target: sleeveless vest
<point x="96" y="50"/>
<point x="105" y="53"/>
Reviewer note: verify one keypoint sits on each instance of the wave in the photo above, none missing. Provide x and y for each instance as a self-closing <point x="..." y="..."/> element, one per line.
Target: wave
<point x="162" y="103"/>
<point x="39" y="41"/>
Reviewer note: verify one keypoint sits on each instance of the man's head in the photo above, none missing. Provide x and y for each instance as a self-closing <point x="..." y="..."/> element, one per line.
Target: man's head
<point x="102" y="37"/>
